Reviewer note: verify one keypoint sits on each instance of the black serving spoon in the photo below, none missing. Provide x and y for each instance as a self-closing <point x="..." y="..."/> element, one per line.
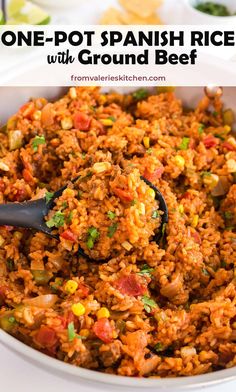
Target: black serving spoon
<point x="31" y="214"/>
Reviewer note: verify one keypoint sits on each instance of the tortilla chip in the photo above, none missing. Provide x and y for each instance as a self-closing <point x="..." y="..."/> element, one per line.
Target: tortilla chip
<point x="142" y="8"/>
<point x="132" y="19"/>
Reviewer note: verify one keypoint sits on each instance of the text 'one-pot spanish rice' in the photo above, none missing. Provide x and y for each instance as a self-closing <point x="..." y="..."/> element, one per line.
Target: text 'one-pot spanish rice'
<point x="137" y="308"/>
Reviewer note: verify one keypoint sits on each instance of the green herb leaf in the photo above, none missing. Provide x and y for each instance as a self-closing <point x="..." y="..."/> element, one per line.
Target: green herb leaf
<point x="64" y="205"/>
<point x="93" y="235"/>
<point x="205" y="272"/>
<point x="148" y="303"/>
<point x="12" y="320"/>
<point x="111" y="215"/>
<point x="215" y="114"/>
<point x="90" y="243"/>
<point x="205" y="173"/>
<point x="57" y="220"/>
<point x="228" y="215"/>
<point x="184" y="144"/>
<point x="37" y="141"/>
<point x="111" y="230"/>
<point x="155" y="214"/>
<point x="201" y="129"/>
<point x="83" y="155"/>
<point x="142" y="93"/>
<point x="112" y="118"/>
<point x="158" y="347"/>
<point x="49" y="196"/>
<point x="71" y="331"/>
<point x="10" y="264"/>
<point x="133" y="202"/>
<point x="219" y="136"/>
<point x="69" y="217"/>
<point x="149" y="151"/>
<point x="146" y="270"/>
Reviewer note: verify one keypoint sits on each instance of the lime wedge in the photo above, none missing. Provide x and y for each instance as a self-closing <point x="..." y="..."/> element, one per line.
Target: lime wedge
<point x="24" y="12"/>
<point x="1" y="18"/>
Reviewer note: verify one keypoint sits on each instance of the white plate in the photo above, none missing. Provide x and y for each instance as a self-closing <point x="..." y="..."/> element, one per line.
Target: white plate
<point x="10" y="99"/>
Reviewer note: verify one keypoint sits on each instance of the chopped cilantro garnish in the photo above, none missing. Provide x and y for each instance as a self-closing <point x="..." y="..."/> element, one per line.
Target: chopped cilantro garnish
<point x="57" y="220"/>
<point x="146" y="270"/>
<point x="215" y="114"/>
<point x="158" y="347"/>
<point x="205" y="272"/>
<point x="93" y="235"/>
<point x="133" y="202"/>
<point x="71" y="332"/>
<point x="205" y="173"/>
<point x="155" y="214"/>
<point x="48" y="196"/>
<point x="142" y="93"/>
<point x="111" y="230"/>
<point x="37" y="141"/>
<point x="111" y="215"/>
<point x="64" y="205"/>
<point x="201" y="129"/>
<point x="228" y="215"/>
<point x="219" y="136"/>
<point x="148" y="303"/>
<point x="10" y="264"/>
<point x="112" y="118"/>
<point x="149" y="151"/>
<point x="184" y="144"/>
<point x="69" y="217"/>
<point x="83" y="155"/>
<point x="12" y="320"/>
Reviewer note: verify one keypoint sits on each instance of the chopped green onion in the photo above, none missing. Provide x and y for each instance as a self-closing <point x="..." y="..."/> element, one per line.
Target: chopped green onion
<point x="69" y="217"/>
<point x="184" y="144"/>
<point x="37" y="141"/>
<point x="205" y="272"/>
<point x="149" y="151"/>
<point x="205" y="173"/>
<point x="146" y="270"/>
<point x="93" y="235"/>
<point x="111" y="230"/>
<point x="12" y="319"/>
<point x="201" y="129"/>
<point x="158" y="347"/>
<point x="219" y="136"/>
<point x="71" y="332"/>
<point x="140" y="94"/>
<point x="133" y="202"/>
<point x="57" y="220"/>
<point x="111" y="215"/>
<point x="49" y="196"/>
<point x="148" y="303"/>
<point x="155" y="214"/>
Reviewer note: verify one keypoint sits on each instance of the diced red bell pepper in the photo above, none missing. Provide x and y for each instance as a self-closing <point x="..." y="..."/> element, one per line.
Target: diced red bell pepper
<point x="46" y="337"/>
<point x="123" y="194"/>
<point x="210" y="141"/>
<point x="28" y="177"/>
<point x="68" y="235"/>
<point x="154" y="175"/>
<point x="130" y="285"/>
<point x="82" y="121"/>
<point x="27" y="110"/>
<point x="228" y="146"/>
<point x="103" y="330"/>
<point x="83" y="290"/>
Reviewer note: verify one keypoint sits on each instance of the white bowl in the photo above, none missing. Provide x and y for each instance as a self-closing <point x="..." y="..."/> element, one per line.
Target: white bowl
<point x="192" y="16"/>
<point x="11" y="98"/>
<point x="59" y="3"/>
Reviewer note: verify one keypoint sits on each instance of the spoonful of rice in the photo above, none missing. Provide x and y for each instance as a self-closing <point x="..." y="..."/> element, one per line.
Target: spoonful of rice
<point x="103" y="210"/>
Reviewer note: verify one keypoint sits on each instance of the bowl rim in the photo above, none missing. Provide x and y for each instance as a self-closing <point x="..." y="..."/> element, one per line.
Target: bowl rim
<point x="79" y="373"/>
<point x="205" y="15"/>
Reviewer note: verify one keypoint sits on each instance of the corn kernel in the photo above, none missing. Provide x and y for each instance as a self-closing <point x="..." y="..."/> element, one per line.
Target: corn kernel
<point x="107" y="122"/>
<point x="69" y="192"/>
<point x="146" y="142"/>
<point x="228" y="117"/>
<point x="152" y="193"/>
<point x="231" y="165"/>
<point x="227" y="129"/>
<point x="126" y="245"/>
<point x="73" y="93"/>
<point x="211" y="180"/>
<point x="181" y="208"/>
<point x="66" y="123"/>
<point x="101" y="167"/>
<point x="195" y="221"/>
<point x="114" y="334"/>
<point x="1" y="240"/>
<point x="103" y="312"/>
<point x="18" y="235"/>
<point x="37" y="115"/>
<point x="142" y="209"/>
<point x="71" y="286"/>
<point x="84" y="332"/>
<point x="102" y="99"/>
<point x="180" y="161"/>
<point x="78" y="309"/>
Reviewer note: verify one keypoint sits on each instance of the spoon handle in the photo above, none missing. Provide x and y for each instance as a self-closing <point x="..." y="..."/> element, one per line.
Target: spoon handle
<point x="27" y="214"/>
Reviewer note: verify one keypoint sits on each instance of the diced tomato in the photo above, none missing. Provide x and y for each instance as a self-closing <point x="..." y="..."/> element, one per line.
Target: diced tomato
<point x="68" y="235"/>
<point x="82" y="121"/>
<point x="186" y="195"/>
<point x="46" y="337"/>
<point x="103" y="330"/>
<point x="82" y="290"/>
<point x="155" y="175"/>
<point x="2" y="295"/>
<point x="130" y="285"/>
<point x="28" y="177"/>
<point x="210" y="141"/>
<point x="27" y="110"/>
<point x="123" y="194"/>
<point x="228" y="146"/>
<point x="196" y="237"/>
